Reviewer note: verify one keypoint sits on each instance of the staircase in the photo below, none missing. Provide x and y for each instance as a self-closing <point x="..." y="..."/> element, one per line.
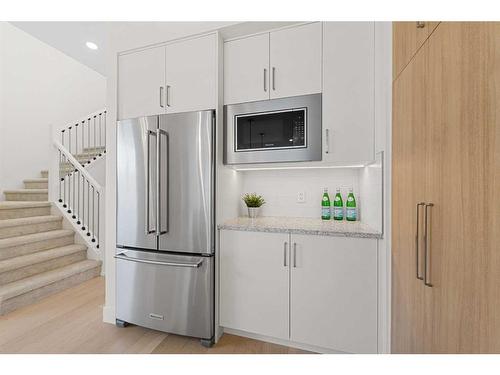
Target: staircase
<point x="37" y="256"/>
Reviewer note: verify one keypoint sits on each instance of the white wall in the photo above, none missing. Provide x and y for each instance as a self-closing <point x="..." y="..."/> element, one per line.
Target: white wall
<point x="39" y="86"/>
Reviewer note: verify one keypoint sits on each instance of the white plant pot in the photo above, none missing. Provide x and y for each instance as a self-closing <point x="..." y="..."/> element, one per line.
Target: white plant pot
<point x="253" y="212"/>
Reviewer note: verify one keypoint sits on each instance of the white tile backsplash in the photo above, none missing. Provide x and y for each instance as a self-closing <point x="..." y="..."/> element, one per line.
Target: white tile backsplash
<point x="280" y="188"/>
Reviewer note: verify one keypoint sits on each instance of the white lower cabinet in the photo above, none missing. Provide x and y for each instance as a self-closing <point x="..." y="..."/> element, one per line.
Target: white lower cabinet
<point x="254" y="282"/>
<point x="314" y="290"/>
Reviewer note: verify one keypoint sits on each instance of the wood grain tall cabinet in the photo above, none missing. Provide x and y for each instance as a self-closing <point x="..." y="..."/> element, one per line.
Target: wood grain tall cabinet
<point x="446" y="189"/>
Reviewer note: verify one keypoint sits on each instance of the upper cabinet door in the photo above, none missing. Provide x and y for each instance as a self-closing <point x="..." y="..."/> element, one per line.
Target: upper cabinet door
<point x="141" y="77"/>
<point x="407" y="38"/>
<point x="295" y="63"/>
<point x="333" y="294"/>
<point x="348" y="92"/>
<point x="191" y="71"/>
<point x="246" y="69"/>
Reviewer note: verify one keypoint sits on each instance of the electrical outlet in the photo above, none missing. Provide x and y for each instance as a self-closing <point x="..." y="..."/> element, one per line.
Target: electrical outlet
<point x="301" y="197"/>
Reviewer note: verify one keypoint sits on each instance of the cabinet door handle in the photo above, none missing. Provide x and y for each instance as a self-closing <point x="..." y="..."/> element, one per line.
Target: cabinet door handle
<point x="294" y="255"/>
<point x="417" y="238"/>
<point x="161" y="97"/>
<point x="427" y="248"/>
<point x="168" y="96"/>
<point x="420" y="24"/>
<point x="327" y="141"/>
<point x="265" y="80"/>
<point x="285" y="245"/>
<point x="274" y="78"/>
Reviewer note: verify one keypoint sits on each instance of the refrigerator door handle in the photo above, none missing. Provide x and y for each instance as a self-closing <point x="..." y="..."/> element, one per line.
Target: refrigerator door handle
<point x="123" y="256"/>
<point x="159" y="230"/>
<point x="149" y="230"/>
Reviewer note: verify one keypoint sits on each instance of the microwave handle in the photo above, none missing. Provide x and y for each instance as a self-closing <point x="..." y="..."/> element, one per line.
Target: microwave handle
<point x="327" y="141"/>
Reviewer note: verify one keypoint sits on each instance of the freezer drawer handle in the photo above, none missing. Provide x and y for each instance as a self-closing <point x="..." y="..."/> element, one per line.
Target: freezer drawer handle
<point x="172" y="264"/>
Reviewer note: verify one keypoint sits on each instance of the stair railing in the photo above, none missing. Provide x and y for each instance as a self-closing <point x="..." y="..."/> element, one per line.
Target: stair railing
<point x="86" y="138"/>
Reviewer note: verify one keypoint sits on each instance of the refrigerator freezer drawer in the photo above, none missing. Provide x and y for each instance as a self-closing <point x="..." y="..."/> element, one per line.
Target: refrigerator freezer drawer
<point x="166" y="292"/>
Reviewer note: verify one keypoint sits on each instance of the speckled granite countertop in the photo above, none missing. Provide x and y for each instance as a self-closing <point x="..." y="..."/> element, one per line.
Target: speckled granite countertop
<point x="302" y="225"/>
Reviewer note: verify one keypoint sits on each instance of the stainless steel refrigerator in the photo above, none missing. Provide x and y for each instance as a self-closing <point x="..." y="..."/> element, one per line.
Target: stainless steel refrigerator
<point x="165" y="223"/>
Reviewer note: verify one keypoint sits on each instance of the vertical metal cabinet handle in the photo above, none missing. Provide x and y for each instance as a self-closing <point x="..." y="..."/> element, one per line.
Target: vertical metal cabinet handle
<point x="420" y="24"/>
<point x="285" y="245"/>
<point x="265" y="80"/>
<point x="427" y="256"/>
<point x="417" y="236"/>
<point x="149" y="133"/>
<point x="327" y="141"/>
<point x="274" y="78"/>
<point x="294" y="255"/>
<point x="159" y="231"/>
<point x="168" y="96"/>
<point x="161" y="97"/>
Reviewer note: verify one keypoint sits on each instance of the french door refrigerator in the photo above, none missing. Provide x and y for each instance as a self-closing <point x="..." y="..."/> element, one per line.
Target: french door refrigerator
<point x="165" y="223"/>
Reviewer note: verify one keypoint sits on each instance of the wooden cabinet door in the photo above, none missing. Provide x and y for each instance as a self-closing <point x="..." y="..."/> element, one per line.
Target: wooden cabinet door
<point x="464" y="185"/>
<point x="246" y="69"/>
<point x="191" y="73"/>
<point x="333" y="287"/>
<point x="408" y="37"/>
<point x="254" y="273"/>
<point x="140" y="77"/>
<point x="348" y="89"/>
<point x="408" y="190"/>
<point x="295" y="61"/>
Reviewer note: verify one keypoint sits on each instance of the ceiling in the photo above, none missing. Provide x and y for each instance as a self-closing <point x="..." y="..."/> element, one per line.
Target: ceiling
<point x="70" y="37"/>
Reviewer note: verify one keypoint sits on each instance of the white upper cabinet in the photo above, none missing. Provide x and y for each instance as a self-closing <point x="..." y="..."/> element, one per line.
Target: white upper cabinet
<point x="191" y="70"/>
<point x="246" y="69"/>
<point x="178" y="77"/>
<point x="295" y="61"/>
<point x="254" y="271"/>
<point x="348" y="92"/>
<point x="333" y="293"/>
<point x="141" y="76"/>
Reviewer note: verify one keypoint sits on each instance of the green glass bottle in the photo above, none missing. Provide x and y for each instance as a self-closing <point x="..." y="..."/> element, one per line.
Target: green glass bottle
<point x="338" y="207"/>
<point x="325" y="206"/>
<point x="351" y="212"/>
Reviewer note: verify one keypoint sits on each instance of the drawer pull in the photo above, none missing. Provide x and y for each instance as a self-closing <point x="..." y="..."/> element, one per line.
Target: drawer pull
<point x="160" y="263"/>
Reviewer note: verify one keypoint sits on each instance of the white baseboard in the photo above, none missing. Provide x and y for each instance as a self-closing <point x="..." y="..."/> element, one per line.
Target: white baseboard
<point x="108" y="314"/>
<point x="272" y="340"/>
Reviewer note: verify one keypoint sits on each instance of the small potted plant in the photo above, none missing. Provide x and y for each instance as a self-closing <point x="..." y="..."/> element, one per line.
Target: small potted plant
<point x="253" y="202"/>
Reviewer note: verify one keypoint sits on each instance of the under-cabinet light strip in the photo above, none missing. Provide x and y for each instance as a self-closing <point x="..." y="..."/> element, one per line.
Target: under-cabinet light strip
<point x="311" y="167"/>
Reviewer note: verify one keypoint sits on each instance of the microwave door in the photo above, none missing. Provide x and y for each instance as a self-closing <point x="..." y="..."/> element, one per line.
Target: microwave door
<point x="136" y="208"/>
<point x="186" y="182"/>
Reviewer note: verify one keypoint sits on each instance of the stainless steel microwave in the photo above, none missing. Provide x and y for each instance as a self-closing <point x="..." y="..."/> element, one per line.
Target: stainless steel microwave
<point x="271" y="131"/>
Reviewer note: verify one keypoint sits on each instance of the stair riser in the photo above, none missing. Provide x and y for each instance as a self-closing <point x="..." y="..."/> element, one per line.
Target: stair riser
<point x="30" y="197"/>
<point x="21" y="230"/>
<point x="17" y="213"/>
<point x="33" y="247"/>
<point x="34" y="269"/>
<point x="17" y="302"/>
<point x="36" y="185"/>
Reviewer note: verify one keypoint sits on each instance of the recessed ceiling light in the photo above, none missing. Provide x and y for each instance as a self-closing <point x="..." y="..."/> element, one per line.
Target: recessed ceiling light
<point x="91" y="45"/>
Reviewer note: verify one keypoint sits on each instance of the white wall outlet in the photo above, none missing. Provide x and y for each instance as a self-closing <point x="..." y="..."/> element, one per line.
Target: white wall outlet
<point x="301" y="197"/>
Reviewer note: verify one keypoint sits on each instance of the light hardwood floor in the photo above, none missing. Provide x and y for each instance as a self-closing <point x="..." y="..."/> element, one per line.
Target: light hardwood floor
<point x="71" y="322"/>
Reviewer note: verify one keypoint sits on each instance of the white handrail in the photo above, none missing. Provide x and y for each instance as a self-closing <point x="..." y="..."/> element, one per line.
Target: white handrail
<point x="78" y="166"/>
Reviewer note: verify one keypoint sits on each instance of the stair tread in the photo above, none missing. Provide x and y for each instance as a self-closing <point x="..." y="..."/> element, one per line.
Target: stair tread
<point x="26" y="191"/>
<point x="28" y="220"/>
<point x="9" y="205"/>
<point x="39" y="257"/>
<point x="35" y="237"/>
<point x="40" y="179"/>
<point x="28" y="284"/>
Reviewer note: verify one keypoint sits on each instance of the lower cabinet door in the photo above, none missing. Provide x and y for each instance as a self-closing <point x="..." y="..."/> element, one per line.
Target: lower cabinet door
<point x="254" y="273"/>
<point x="333" y="298"/>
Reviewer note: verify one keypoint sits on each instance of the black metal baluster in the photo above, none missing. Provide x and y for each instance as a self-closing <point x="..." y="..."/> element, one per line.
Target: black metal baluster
<point x="62" y="170"/>
<point x="78" y="199"/>
<point x="100" y="134"/>
<point x="74" y="205"/>
<point x="62" y="137"/>
<point x="69" y="140"/>
<point x="93" y="213"/>
<point x="69" y="188"/>
<point x="98" y="215"/>
<point x="83" y="138"/>
<point x="95" y="143"/>
<point x="105" y="115"/>
<point x="83" y="203"/>
<point x="88" y="208"/>
<point x="88" y="130"/>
